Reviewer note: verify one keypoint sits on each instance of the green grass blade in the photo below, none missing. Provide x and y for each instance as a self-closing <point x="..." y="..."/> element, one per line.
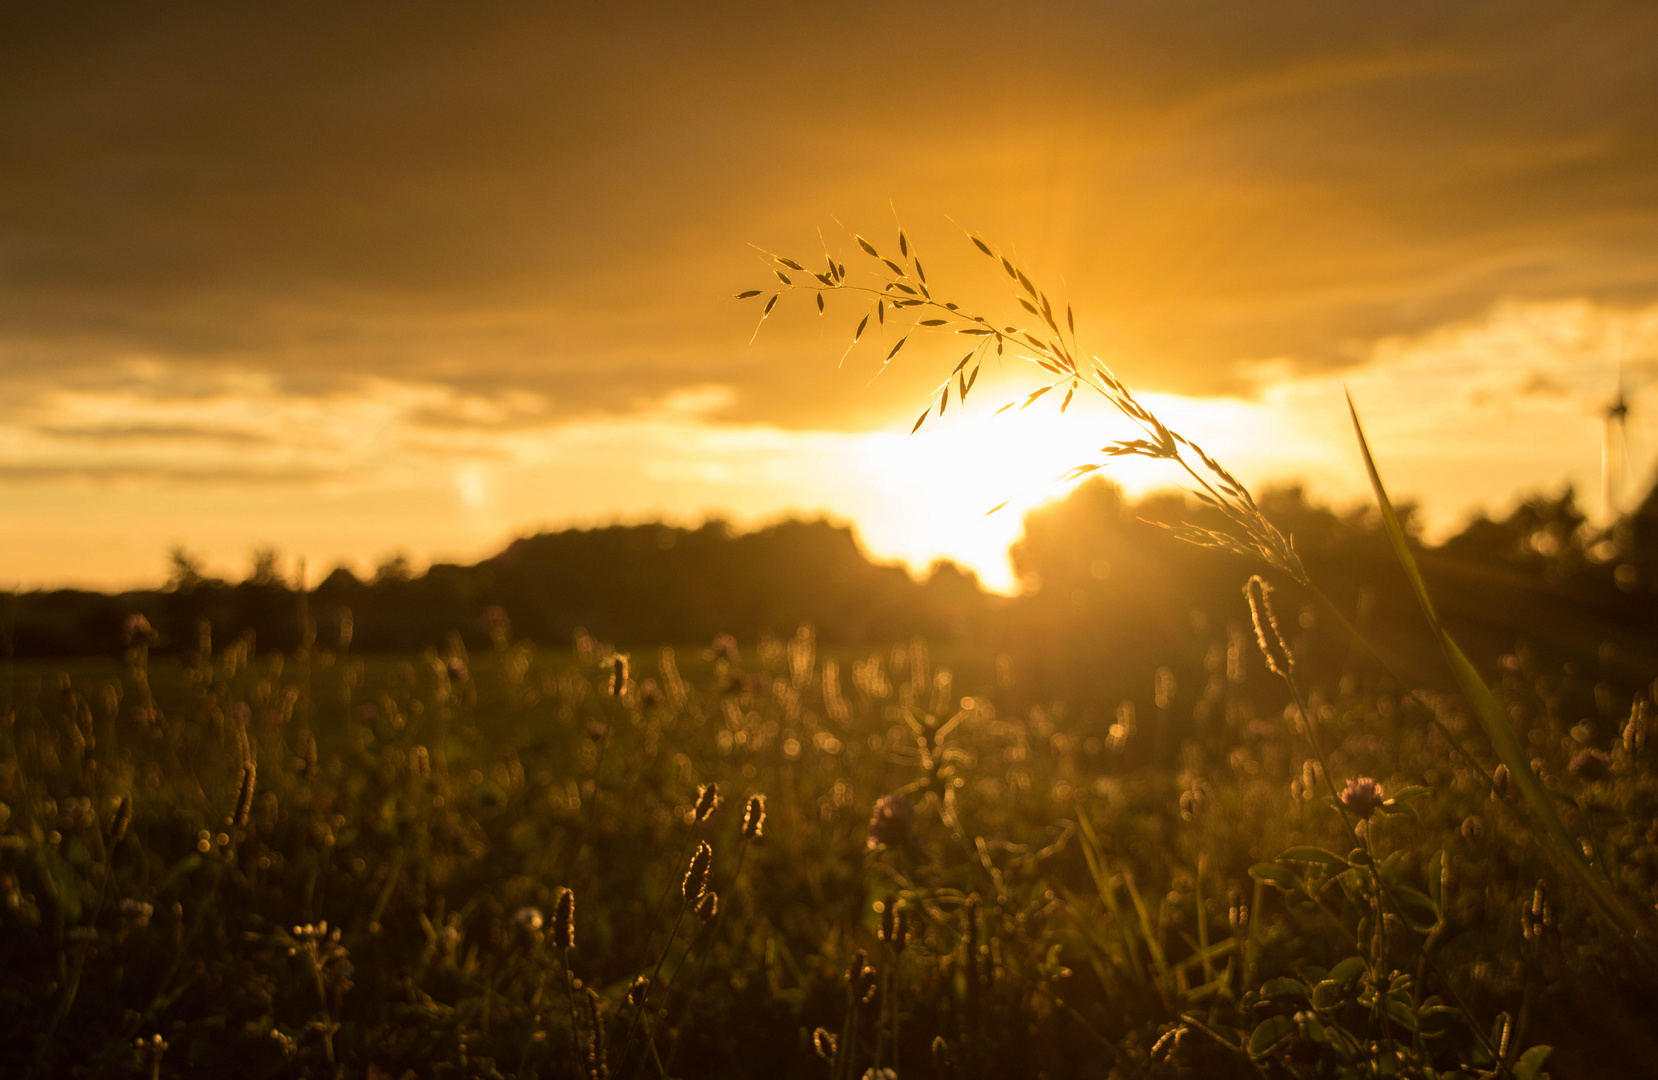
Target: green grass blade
<point x="1490" y="713"/>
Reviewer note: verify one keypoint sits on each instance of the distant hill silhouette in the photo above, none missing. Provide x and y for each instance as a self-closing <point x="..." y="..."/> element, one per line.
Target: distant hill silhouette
<point x="632" y="584"/>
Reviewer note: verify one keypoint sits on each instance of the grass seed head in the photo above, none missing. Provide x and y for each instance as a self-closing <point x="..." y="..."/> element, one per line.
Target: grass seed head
<point x="564" y="921"/>
<point x="696" y="877"/>
<point x="824" y="1044"/>
<point x="1267" y="634"/>
<point x="1500" y="780"/>
<point x="708" y="906"/>
<point x="122" y="819"/>
<point x="754" y="817"/>
<point x="637" y="992"/>
<point x="597" y="1067"/>
<point x="618" y="675"/>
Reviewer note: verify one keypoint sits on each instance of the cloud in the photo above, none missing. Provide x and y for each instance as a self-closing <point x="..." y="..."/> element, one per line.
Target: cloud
<point x="555" y="201"/>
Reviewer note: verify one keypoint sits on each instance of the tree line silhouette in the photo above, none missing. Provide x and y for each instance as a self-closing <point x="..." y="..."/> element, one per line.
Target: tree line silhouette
<point x="1109" y="594"/>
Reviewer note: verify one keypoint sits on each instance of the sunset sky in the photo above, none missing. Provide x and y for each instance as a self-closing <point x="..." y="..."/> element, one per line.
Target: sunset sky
<point x="368" y="278"/>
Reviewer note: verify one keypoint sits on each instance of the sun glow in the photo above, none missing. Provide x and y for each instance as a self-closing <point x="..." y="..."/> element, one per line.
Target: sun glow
<point x="934" y="491"/>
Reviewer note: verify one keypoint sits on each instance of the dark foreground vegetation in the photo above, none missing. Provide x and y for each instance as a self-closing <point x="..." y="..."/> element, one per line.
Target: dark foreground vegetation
<point x="1088" y="833"/>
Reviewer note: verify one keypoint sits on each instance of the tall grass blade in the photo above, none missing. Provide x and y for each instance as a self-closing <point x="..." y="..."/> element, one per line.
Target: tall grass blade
<point x="1490" y="713"/>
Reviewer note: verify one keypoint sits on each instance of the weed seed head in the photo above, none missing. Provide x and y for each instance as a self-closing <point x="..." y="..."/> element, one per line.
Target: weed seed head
<point x="754" y="817"/>
<point x="564" y="922"/>
<point x="1500" y="781"/>
<point x="307" y="753"/>
<point x="696" y="878"/>
<point x="1538" y="918"/>
<point x="244" y="797"/>
<point x="708" y="797"/>
<point x="123" y="818"/>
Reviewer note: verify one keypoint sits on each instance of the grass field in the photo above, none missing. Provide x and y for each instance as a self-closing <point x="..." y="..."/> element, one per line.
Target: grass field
<point x="460" y="865"/>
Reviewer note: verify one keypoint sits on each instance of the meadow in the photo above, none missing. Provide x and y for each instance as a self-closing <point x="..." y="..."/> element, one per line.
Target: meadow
<point x="463" y="862"/>
<point x="1158" y="818"/>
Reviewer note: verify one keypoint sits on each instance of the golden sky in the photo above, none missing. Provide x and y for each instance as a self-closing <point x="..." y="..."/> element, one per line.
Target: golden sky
<point x="353" y="279"/>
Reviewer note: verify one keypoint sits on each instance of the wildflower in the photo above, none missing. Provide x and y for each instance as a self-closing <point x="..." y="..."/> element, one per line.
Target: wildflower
<point x="708" y="797"/>
<point x="137" y="630"/>
<point x="1267" y="634"/>
<point x="889" y="825"/>
<point x="1363" y="796"/>
<point x="754" y="817"/>
<point x="564" y="922"/>
<point x="78" y="813"/>
<point x="1591" y="765"/>
<point x="135" y="912"/>
<point x="696" y="877"/>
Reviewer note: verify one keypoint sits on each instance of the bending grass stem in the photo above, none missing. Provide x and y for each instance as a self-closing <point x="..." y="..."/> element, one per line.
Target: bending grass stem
<point x="645" y="995"/>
